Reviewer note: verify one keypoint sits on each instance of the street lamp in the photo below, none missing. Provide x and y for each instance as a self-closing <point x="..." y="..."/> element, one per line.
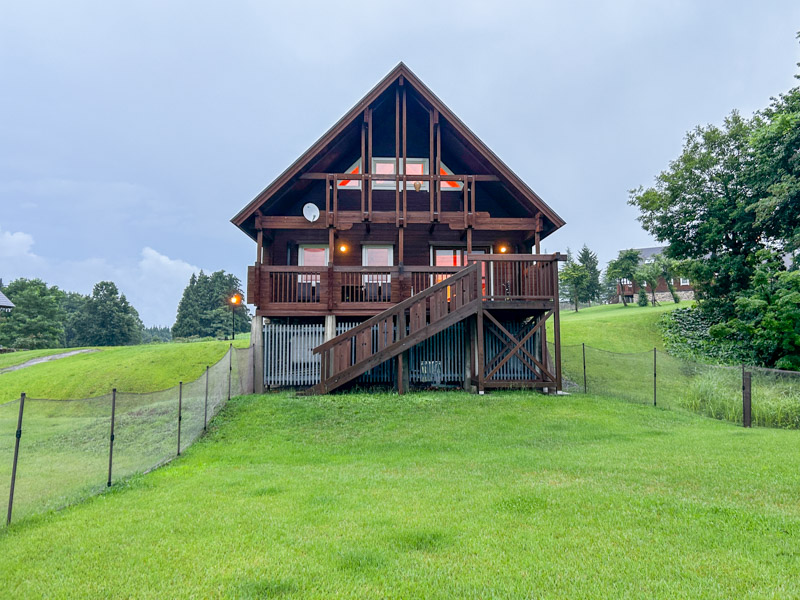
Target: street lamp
<point x="234" y="301"/>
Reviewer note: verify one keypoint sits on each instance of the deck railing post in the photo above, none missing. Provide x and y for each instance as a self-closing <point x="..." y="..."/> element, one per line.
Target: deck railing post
<point x="180" y="414"/>
<point x="746" y="398"/>
<point x="205" y="404"/>
<point x="16" y="456"/>
<point x="111" y="437"/>
<point x="583" y="347"/>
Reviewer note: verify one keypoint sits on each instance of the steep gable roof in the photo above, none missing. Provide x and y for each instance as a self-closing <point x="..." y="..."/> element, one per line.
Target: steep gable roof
<point x="401" y="70"/>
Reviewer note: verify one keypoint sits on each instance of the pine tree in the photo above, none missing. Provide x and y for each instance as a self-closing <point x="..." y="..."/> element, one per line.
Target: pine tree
<point x="592" y="289"/>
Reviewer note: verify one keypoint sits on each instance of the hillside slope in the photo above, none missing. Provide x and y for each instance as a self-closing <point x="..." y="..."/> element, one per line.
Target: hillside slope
<point x="145" y="368"/>
<point x="435" y="495"/>
<point x="614" y="327"/>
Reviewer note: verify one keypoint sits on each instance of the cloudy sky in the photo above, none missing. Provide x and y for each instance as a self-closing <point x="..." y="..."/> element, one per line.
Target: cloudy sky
<point x="130" y="133"/>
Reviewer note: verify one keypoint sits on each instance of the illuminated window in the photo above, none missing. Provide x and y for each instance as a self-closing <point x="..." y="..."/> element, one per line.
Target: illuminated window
<point x="355" y="168"/>
<point x="449" y="186"/>
<point x="385" y="166"/>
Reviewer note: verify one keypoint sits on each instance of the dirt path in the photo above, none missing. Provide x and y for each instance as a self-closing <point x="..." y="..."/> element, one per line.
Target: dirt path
<point x="41" y="359"/>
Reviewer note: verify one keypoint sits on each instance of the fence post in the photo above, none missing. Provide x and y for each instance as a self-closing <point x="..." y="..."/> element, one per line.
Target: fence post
<point x="746" y="398"/>
<point x="583" y="347"/>
<point x="253" y="367"/>
<point x="180" y="414"/>
<point x="205" y="406"/>
<point x="655" y="353"/>
<point x="16" y="455"/>
<point x="230" y="369"/>
<point x="111" y="439"/>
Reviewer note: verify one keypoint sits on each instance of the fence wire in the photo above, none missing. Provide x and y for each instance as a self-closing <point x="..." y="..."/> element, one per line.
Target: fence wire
<point x="64" y="446"/>
<point x="656" y="377"/>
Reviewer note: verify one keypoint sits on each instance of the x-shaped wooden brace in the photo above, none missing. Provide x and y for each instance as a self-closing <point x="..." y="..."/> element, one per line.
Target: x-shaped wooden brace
<point x="519" y="347"/>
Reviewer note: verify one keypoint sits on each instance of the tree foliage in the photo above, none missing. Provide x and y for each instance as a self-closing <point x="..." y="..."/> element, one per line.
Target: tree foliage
<point x="624" y="267"/>
<point x="107" y="319"/>
<point x="574" y="278"/>
<point x="591" y="290"/>
<point x="36" y="320"/>
<point x="204" y="309"/>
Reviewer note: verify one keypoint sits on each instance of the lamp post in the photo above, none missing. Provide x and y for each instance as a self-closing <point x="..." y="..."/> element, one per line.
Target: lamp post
<point x="235" y="301"/>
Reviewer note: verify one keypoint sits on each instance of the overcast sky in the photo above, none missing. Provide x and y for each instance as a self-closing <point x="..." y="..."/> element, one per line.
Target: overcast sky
<point x="130" y="133"/>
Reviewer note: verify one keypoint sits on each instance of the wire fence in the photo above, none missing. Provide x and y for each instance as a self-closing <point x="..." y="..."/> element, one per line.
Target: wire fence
<point x="744" y="394"/>
<point x="54" y="453"/>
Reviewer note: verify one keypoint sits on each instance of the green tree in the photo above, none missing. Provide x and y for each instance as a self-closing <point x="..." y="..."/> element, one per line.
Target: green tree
<point x="574" y="278"/>
<point x="72" y="305"/>
<point x="701" y="206"/>
<point x="668" y="268"/>
<point x="592" y="289"/>
<point x="204" y="309"/>
<point x="36" y="320"/>
<point x="647" y="275"/>
<point x="108" y="319"/>
<point x="624" y="268"/>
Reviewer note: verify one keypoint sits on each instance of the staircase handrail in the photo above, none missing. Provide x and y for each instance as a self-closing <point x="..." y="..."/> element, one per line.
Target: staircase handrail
<point x="398" y="308"/>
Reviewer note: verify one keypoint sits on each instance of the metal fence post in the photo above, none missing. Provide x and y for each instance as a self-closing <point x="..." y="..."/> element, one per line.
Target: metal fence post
<point x="180" y="414"/>
<point x="205" y="407"/>
<point x="746" y="398"/>
<point x="230" y="369"/>
<point x="111" y="439"/>
<point x="655" y="353"/>
<point x="583" y="347"/>
<point x="16" y="455"/>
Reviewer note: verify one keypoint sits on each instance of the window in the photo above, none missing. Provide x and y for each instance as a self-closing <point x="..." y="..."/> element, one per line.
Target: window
<point x="355" y="168"/>
<point x="311" y="256"/>
<point x="377" y="286"/>
<point x="684" y="281"/>
<point x="385" y="166"/>
<point x="625" y="281"/>
<point x="449" y="186"/>
<point x="377" y="255"/>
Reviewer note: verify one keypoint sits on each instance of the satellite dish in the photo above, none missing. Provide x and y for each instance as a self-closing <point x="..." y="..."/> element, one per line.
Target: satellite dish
<point x="311" y="212"/>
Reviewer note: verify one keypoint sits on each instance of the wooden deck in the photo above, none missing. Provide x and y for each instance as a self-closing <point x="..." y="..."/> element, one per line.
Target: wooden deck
<point x="522" y="284"/>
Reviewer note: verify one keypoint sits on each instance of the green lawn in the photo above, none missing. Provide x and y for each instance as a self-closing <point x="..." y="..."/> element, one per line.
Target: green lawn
<point x="9" y="359"/>
<point x="435" y="495"/>
<point x="615" y="328"/>
<point x="145" y="368"/>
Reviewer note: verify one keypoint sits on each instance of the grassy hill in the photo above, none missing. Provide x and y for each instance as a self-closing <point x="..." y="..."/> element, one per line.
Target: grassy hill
<point x="616" y="328"/>
<point x="435" y="495"/>
<point x="128" y="368"/>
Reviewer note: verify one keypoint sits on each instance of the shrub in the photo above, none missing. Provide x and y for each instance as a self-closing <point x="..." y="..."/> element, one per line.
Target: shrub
<point x="642" y="300"/>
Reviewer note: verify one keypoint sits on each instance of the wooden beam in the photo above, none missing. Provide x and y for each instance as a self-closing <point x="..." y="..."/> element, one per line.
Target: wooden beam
<point x="364" y="213"/>
<point x="454" y="177"/>
<point x="347" y="218"/>
<point x="368" y="165"/>
<point x="438" y="132"/>
<point x="397" y="155"/>
<point x="405" y="161"/>
<point x="431" y="163"/>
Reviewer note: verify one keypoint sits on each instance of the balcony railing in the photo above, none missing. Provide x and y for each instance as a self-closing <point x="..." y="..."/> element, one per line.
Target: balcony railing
<point x="291" y="290"/>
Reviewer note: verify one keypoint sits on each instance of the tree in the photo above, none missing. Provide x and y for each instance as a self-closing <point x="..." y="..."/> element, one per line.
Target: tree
<point x="647" y="275"/>
<point x="623" y="268"/>
<point x="35" y="322"/>
<point x="592" y="289"/>
<point x="701" y="206"/>
<point x="668" y="268"/>
<point x="204" y="309"/>
<point x="108" y="319"/>
<point x="72" y="306"/>
<point x="574" y="278"/>
<point x="156" y="335"/>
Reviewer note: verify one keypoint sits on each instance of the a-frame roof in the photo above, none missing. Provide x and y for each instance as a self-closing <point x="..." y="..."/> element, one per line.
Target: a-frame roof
<point x="5" y="303"/>
<point x="401" y="70"/>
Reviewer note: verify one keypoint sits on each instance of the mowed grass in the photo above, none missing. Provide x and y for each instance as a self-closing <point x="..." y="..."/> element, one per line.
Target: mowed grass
<point x="144" y="368"/>
<point x="10" y="359"/>
<point x="435" y="495"/>
<point x="614" y="327"/>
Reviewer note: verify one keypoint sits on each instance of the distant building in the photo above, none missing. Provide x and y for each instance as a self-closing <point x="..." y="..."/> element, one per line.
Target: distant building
<point x="630" y="289"/>
<point x="5" y="304"/>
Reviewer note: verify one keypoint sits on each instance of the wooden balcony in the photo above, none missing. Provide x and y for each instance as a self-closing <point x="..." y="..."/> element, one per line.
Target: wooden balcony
<point x="511" y="281"/>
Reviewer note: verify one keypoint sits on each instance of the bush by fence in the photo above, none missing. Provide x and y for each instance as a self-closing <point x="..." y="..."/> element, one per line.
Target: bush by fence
<point x="66" y="450"/>
<point x="656" y="377"/>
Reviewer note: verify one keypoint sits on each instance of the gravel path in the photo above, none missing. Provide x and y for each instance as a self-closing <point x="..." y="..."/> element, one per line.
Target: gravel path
<point x="41" y="359"/>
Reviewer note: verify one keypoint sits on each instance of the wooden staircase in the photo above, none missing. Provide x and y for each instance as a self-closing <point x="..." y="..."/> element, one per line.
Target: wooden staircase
<point x="398" y="328"/>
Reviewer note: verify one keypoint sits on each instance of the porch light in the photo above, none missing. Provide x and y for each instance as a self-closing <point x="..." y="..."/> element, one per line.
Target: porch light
<point x="503" y="249"/>
<point x="343" y="248"/>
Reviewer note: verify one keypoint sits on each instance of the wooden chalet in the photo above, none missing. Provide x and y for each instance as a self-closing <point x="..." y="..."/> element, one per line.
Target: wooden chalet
<point x="399" y="249"/>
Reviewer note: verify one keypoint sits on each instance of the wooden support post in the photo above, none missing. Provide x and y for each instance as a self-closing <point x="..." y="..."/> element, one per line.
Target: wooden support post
<point x="431" y="162"/>
<point x="746" y="398"/>
<point x="259" y="246"/>
<point x="397" y="156"/>
<point x="556" y="325"/>
<point x="405" y="162"/>
<point x="16" y="457"/>
<point x="364" y="213"/>
<point x="368" y="164"/>
<point x="437" y="130"/>
<point x="537" y="239"/>
<point x="467" y="354"/>
<point x="481" y="358"/>
<point x="111" y="438"/>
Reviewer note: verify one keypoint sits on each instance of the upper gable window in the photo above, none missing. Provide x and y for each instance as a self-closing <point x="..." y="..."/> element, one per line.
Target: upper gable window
<point x="385" y="166"/>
